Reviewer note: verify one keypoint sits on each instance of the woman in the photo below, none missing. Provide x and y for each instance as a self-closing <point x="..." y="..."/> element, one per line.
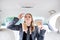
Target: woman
<point x="41" y="30"/>
<point x="27" y="30"/>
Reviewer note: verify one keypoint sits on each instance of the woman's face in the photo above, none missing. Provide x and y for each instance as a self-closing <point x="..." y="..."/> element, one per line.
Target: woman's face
<point x="28" y="18"/>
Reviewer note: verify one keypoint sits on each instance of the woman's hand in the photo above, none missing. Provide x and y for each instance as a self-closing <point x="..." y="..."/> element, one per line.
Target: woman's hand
<point x="20" y="16"/>
<point x="39" y="24"/>
<point x="40" y="27"/>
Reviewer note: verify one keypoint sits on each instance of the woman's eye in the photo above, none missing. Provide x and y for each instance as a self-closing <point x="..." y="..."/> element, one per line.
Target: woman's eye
<point x="29" y="17"/>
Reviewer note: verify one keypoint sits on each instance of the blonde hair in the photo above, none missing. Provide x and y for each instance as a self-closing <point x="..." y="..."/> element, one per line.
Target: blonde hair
<point x="32" y="26"/>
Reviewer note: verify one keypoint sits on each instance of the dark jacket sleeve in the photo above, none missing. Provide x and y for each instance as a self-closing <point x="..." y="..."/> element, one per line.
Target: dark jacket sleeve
<point x="42" y="32"/>
<point x="40" y="36"/>
<point x="12" y="25"/>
